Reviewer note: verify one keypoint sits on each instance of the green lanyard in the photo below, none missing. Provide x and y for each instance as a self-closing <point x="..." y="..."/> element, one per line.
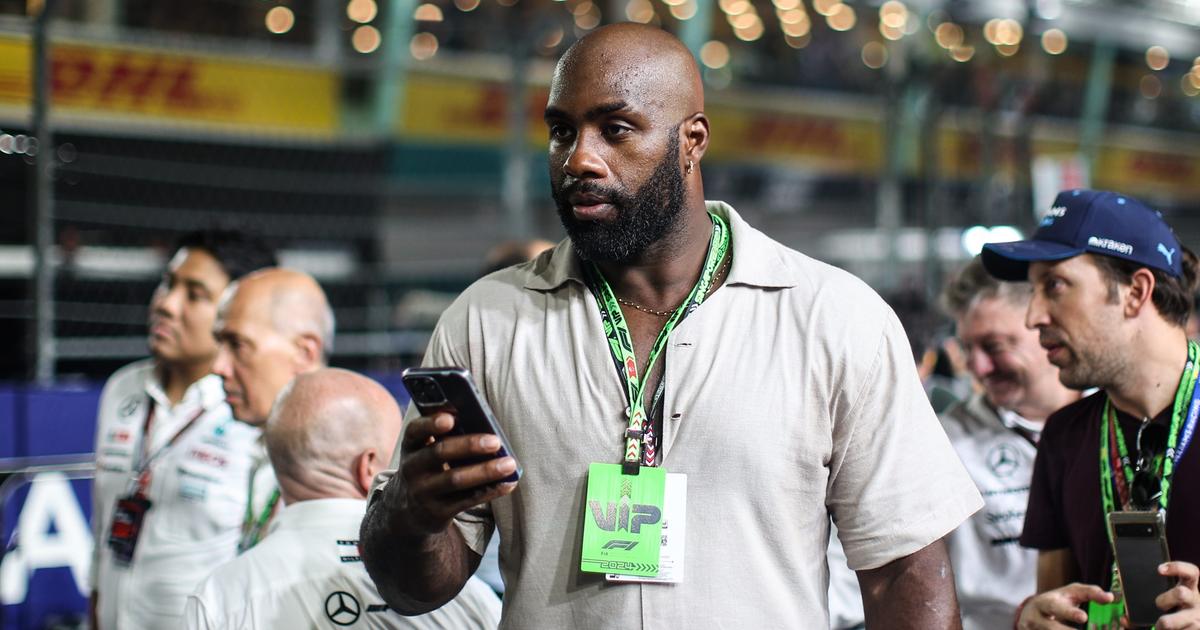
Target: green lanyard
<point x="1183" y="394"/>
<point x="620" y="342"/>
<point x="252" y="529"/>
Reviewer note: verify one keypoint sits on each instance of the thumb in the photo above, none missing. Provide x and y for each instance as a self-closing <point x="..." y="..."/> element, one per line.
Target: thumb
<point x="1187" y="573"/>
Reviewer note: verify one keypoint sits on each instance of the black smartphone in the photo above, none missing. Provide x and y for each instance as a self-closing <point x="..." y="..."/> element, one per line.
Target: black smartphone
<point x="452" y="390"/>
<point x="1140" y="539"/>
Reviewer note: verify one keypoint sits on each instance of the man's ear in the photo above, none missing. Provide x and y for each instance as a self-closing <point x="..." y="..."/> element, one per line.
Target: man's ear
<point x="309" y="352"/>
<point x="1140" y="292"/>
<point x="366" y="465"/>
<point x="695" y="137"/>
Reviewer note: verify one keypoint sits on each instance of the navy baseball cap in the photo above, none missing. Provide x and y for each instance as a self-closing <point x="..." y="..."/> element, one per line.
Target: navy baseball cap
<point x="1095" y="221"/>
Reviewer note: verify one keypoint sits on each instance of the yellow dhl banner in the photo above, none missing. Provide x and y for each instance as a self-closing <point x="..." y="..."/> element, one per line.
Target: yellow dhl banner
<point x="824" y="143"/>
<point x="471" y="111"/>
<point x="90" y="81"/>
<point x="453" y="109"/>
<point x="1141" y="172"/>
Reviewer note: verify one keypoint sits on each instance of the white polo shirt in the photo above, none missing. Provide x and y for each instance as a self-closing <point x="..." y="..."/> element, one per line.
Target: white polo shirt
<point x="198" y="492"/>
<point x="992" y="571"/>
<point x="790" y="396"/>
<point x="308" y="574"/>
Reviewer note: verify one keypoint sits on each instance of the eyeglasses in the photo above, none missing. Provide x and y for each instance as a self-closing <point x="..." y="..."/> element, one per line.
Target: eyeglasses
<point x="1147" y="487"/>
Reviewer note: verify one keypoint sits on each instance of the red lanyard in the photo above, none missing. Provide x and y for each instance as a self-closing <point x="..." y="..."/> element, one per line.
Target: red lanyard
<point x="143" y="467"/>
<point x="1119" y="479"/>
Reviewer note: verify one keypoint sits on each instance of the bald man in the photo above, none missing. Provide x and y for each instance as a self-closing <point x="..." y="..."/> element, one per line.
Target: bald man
<point x="329" y="434"/>
<point x="271" y="325"/>
<point x="732" y="394"/>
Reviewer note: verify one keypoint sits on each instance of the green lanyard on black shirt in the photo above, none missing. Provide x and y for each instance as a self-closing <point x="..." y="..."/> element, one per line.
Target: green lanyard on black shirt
<point x="1185" y="393"/>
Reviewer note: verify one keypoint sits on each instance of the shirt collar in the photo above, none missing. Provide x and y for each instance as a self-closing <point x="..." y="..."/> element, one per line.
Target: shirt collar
<point x="320" y="514"/>
<point x="756" y="258"/>
<point x="205" y="393"/>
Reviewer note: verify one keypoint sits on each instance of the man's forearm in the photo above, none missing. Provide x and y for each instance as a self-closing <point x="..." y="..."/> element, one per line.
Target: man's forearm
<point x="916" y="591"/>
<point x="415" y="573"/>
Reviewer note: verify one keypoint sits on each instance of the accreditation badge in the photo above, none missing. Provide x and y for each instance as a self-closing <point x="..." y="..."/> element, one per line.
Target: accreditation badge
<point x="674" y="533"/>
<point x="622" y="520"/>
<point x="128" y="516"/>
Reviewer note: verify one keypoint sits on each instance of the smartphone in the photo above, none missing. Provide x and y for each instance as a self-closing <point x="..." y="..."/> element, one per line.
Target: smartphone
<point x="452" y="390"/>
<point x="1140" y="539"/>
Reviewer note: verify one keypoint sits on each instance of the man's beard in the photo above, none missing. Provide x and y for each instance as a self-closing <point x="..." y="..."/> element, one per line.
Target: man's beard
<point x="642" y="219"/>
<point x="1096" y="367"/>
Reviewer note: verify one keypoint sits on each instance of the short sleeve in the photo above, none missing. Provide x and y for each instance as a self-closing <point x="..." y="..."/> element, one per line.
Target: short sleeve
<point x="895" y="483"/>
<point x="1045" y="527"/>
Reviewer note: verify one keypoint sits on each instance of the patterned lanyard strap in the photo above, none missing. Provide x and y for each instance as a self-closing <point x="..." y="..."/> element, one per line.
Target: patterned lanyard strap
<point x="141" y="469"/>
<point x="252" y="528"/>
<point x="1184" y="413"/>
<point x="620" y="342"/>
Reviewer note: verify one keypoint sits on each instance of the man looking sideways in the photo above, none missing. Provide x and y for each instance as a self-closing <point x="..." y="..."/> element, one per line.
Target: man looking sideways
<point x="783" y="389"/>
<point x="170" y="460"/>
<point x="272" y="325"/>
<point x="1112" y="290"/>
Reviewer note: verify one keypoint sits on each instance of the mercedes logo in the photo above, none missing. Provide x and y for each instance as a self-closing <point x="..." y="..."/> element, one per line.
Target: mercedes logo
<point x="1004" y="460"/>
<point x="342" y="608"/>
<point x="129" y="406"/>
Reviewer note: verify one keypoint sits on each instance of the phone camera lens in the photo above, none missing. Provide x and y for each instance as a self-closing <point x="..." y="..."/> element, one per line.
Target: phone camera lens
<point x="426" y="391"/>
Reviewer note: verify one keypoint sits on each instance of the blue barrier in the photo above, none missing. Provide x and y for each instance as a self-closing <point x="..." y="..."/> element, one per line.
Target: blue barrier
<point x="45" y="514"/>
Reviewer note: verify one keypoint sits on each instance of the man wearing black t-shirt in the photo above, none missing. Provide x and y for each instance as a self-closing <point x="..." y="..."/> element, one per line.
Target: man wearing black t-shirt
<point x="1112" y="294"/>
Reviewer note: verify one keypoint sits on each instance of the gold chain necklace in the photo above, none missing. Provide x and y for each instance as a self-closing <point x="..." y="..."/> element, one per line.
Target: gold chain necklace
<point x="657" y="313"/>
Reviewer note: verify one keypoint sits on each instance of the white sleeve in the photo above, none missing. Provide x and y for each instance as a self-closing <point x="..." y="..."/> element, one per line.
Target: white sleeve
<point x="98" y="527"/>
<point x="895" y="484"/>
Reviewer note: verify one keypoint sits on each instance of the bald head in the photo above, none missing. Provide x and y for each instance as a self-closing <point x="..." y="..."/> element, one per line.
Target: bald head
<point x="294" y="302"/>
<point x="329" y="433"/>
<point x="272" y="325"/>
<point x="642" y="62"/>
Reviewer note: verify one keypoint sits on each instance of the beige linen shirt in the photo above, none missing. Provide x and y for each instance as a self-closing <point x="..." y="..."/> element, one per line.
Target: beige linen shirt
<point x="791" y="396"/>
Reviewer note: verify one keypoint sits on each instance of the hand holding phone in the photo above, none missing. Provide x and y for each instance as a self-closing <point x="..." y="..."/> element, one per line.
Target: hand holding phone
<point x="1140" y="543"/>
<point x="1183" y="600"/>
<point x="451" y="390"/>
<point x="447" y="465"/>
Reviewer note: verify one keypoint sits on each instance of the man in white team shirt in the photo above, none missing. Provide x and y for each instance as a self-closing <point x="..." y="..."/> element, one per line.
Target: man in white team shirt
<point x="330" y="432"/>
<point x="171" y="462"/>
<point x="994" y="433"/>
<point x="272" y="325"/>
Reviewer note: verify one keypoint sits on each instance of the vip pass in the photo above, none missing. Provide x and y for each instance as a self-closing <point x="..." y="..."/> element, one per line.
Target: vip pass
<point x="620" y="342"/>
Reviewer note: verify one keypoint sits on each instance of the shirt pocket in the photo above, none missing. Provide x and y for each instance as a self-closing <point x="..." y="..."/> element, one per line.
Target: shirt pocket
<point x="204" y="491"/>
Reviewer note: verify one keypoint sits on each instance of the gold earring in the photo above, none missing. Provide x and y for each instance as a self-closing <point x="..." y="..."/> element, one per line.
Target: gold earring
<point x="689" y="167"/>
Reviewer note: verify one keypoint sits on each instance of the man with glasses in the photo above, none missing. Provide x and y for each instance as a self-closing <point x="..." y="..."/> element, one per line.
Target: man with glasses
<point x="1112" y="291"/>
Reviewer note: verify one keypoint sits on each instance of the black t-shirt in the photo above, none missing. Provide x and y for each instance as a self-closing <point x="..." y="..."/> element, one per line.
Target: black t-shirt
<point x="1065" y="509"/>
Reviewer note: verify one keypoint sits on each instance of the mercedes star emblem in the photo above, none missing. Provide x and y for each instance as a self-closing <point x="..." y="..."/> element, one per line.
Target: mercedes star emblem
<point x="342" y="608"/>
